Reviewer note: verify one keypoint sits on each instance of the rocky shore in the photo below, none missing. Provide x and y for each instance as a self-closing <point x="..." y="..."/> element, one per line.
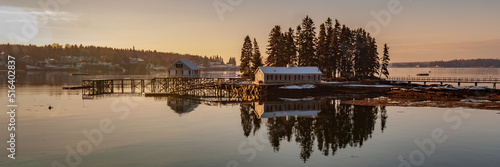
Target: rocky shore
<point x="448" y="97"/>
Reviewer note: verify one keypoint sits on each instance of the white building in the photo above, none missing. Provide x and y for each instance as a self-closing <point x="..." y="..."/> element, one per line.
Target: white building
<point x="287" y="75"/>
<point x="287" y="109"/>
<point x="183" y="68"/>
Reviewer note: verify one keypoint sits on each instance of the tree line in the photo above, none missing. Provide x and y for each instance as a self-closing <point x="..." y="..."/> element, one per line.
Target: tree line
<point x="97" y="53"/>
<point x="492" y="63"/>
<point x="337" y="50"/>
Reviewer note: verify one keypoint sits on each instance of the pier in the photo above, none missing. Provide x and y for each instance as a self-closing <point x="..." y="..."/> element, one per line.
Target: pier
<point x="228" y="88"/>
<point x="442" y="80"/>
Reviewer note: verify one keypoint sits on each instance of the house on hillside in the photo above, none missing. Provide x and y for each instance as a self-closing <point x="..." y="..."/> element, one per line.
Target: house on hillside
<point x="183" y="68"/>
<point x="287" y="75"/>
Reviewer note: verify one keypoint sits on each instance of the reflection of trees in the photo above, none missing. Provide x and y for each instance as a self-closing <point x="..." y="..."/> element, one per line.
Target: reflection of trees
<point x="337" y="126"/>
<point x="279" y="129"/>
<point x="304" y="134"/>
<point x="249" y="120"/>
<point x="383" y="118"/>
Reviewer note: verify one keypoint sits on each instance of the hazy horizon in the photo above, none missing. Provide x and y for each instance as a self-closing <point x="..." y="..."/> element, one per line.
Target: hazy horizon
<point x="416" y="30"/>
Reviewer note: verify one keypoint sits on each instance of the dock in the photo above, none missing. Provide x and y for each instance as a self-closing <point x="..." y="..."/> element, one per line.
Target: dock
<point x="76" y="87"/>
<point x="229" y="88"/>
<point x="443" y="80"/>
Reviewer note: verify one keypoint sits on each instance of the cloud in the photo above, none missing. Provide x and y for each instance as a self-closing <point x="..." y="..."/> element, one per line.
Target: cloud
<point x="18" y="25"/>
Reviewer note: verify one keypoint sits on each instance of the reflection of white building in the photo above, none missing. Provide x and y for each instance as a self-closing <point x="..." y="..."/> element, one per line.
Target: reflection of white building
<point x="183" y="68"/>
<point x="181" y="106"/>
<point x="285" y="75"/>
<point x="285" y="109"/>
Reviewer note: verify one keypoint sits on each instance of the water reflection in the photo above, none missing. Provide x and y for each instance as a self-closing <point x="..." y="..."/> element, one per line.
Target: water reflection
<point x="38" y="78"/>
<point x="181" y="105"/>
<point x="330" y="123"/>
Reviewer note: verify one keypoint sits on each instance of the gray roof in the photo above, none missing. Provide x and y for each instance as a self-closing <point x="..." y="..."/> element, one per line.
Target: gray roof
<point x="188" y="63"/>
<point x="290" y="70"/>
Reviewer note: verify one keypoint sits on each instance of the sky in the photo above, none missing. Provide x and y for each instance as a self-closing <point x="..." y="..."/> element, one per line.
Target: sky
<point x="415" y="30"/>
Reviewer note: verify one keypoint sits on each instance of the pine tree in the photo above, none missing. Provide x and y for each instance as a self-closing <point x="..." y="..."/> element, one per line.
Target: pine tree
<point x="374" y="60"/>
<point x="232" y="61"/>
<point x="322" y="48"/>
<point x="290" y="48"/>
<point x="246" y="55"/>
<point x="335" y="46"/>
<point x="306" y="42"/>
<point x="329" y="54"/>
<point x="360" y="60"/>
<point x="385" y="62"/>
<point x="256" y="58"/>
<point x="275" y="48"/>
<point x="346" y="48"/>
<point x="325" y="48"/>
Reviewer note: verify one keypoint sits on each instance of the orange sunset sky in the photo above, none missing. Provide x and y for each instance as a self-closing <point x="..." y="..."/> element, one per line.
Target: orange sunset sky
<point x="417" y="30"/>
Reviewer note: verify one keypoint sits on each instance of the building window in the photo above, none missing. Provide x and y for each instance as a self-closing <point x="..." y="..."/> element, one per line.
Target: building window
<point x="178" y="65"/>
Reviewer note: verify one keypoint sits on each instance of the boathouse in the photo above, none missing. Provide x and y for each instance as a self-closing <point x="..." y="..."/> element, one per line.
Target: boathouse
<point x="183" y="68"/>
<point x="287" y="75"/>
<point x="289" y="108"/>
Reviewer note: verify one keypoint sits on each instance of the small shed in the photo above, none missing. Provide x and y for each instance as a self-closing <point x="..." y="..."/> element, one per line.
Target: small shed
<point x="183" y="68"/>
<point x="288" y="75"/>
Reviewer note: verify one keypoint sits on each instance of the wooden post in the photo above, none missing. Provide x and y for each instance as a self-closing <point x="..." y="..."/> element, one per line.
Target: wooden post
<point x="122" y="86"/>
<point x="142" y="86"/>
<point x="458" y="83"/>
<point x="494" y="85"/>
<point x="475" y="84"/>
<point x="132" y="86"/>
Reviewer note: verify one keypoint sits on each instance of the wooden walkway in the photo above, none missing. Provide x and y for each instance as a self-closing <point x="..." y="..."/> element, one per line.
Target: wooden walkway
<point x="199" y="87"/>
<point x="442" y="80"/>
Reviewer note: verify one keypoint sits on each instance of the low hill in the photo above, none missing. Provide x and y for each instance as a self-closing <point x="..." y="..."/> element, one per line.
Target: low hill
<point x="471" y="63"/>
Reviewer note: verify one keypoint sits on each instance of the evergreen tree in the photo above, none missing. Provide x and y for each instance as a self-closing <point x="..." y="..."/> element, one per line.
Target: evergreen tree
<point x="246" y="55"/>
<point x="335" y="42"/>
<point x="256" y="58"/>
<point x="290" y="48"/>
<point x="232" y="61"/>
<point x="360" y="54"/>
<point x="385" y="62"/>
<point x="306" y="42"/>
<point x="325" y="50"/>
<point x="346" y="48"/>
<point x="374" y="60"/>
<point x="329" y="54"/>
<point x="322" y="49"/>
<point x="275" y="49"/>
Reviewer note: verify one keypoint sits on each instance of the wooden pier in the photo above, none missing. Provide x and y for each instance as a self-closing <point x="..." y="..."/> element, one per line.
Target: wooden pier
<point x="232" y="88"/>
<point x="442" y="80"/>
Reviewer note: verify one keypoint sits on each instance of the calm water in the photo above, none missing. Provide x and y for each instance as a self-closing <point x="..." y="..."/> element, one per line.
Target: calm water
<point x="177" y="132"/>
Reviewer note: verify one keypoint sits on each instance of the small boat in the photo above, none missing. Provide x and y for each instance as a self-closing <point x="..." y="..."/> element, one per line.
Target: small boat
<point x="424" y="74"/>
